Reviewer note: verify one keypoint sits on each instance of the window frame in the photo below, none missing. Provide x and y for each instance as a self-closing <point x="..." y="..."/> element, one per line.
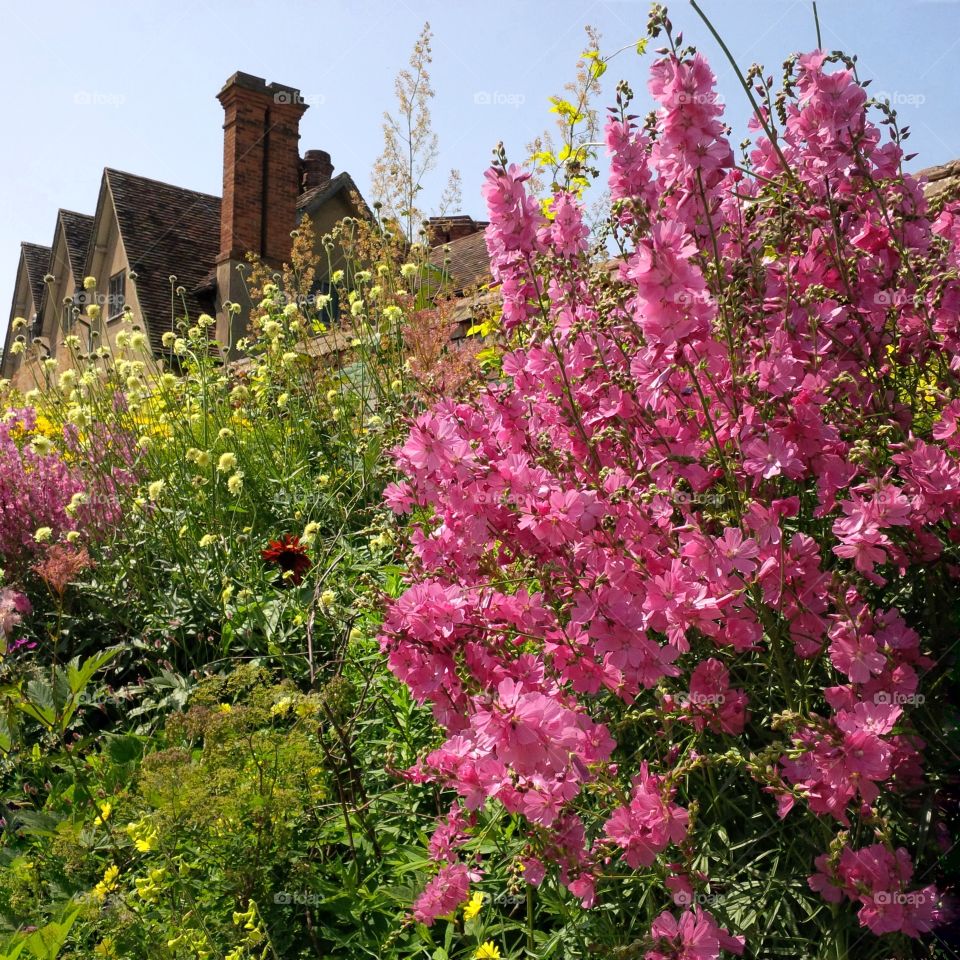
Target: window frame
<point x="112" y="312"/>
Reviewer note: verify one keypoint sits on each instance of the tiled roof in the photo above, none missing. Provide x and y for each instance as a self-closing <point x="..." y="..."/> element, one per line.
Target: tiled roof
<point x="466" y="260"/>
<point x="37" y="260"/>
<point x="77" y="228"/>
<point x="943" y="183"/>
<point x="167" y="231"/>
<point x="316" y="196"/>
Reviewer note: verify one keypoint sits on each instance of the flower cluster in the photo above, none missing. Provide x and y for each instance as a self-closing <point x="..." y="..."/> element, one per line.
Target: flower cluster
<point x="707" y="463"/>
<point x="44" y="492"/>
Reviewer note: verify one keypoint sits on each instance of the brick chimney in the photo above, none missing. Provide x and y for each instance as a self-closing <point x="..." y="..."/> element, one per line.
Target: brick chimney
<point x="261" y="183"/>
<point x="261" y="167"/>
<point x="317" y="169"/>
<point x="447" y="229"/>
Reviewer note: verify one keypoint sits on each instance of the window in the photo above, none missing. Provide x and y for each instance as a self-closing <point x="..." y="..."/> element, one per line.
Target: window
<point x="115" y="295"/>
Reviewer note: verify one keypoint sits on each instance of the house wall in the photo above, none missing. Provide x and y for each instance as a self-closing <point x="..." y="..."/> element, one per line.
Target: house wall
<point x="57" y="317"/>
<point x="22" y="369"/>
<point x="109" y="257"/>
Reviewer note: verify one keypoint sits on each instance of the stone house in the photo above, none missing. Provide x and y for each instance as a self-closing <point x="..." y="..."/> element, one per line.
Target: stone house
<point x="155" y="248"/>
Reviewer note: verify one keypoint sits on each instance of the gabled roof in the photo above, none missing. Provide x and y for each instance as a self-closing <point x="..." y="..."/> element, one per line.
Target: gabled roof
<point x="77" y="228"/>
<point x="166" y="231"/>
<point x="465" y="260"/>
<point x="319" y="195"/>
<point x="36" y="258"/>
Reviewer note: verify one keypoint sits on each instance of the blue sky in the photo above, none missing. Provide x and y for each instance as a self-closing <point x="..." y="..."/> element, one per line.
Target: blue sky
<point x="133" y="85"/>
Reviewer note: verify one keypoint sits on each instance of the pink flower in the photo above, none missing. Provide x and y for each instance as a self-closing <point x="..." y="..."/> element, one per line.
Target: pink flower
<point x="695" y="936"/>
<point x="649" y="823"/>
<point x="443" y="893"/>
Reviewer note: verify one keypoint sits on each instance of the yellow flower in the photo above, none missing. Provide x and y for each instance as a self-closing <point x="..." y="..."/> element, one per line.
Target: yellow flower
<point x="108" y="884"/>
<point x="227" y="463"/>
<point x="43" y="534"/>
<point x="143" y="835"/>
<point x="89" y="283"/>
<point x="105" y="810"/>
<point x="472" y="909"/>
<point x="487" y="951"/>
<point x="107" y="947"/>
<point x="235" y="483"/>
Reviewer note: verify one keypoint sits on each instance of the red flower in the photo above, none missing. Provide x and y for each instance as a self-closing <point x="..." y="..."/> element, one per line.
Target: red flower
<point x="290" y="555"/>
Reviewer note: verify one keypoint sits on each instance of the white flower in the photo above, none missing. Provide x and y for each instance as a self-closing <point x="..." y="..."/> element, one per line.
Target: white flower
<point x="272" y="329"/>
<point x="227" y="463"/>
<point x="41" y="446"/>
<point x="235" y="483"/>
<point x="408" y="270"/>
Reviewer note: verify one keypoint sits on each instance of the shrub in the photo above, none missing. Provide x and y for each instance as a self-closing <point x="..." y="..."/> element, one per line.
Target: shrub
<point x="679" y="580"/>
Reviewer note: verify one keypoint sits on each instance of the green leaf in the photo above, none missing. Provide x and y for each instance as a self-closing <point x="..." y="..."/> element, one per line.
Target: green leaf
<point x="46" y="942"/>
<point x="79" y="674"/>
<point x="37" y="702"/>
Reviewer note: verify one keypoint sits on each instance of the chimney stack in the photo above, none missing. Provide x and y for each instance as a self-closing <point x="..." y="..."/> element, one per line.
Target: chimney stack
<point x="261" y="167"/>
<point x="317" y="169"/>
<point x="442" y="230"/>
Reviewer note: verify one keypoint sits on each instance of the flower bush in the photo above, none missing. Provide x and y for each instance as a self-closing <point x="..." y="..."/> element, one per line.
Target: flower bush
<point x="622" y="629"/>
<point x="680" y="579"/>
